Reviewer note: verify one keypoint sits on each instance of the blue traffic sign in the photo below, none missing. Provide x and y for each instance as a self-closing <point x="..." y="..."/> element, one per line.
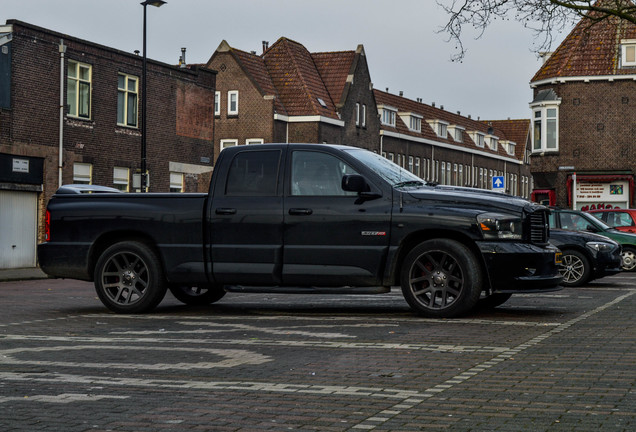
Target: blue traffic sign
<point x="498" y="183"/>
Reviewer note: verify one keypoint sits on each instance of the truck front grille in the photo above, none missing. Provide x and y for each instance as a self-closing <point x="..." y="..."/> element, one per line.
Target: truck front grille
<point x="539" y="227"/>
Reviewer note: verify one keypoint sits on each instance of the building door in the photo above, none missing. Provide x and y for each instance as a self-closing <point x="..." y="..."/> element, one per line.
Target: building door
<point x="18" y="229"/>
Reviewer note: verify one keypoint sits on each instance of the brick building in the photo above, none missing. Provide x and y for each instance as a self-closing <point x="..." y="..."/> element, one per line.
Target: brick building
<point x="584" y="118"/>
<point x="59" y="92"/>
<point x="287" y="94"/>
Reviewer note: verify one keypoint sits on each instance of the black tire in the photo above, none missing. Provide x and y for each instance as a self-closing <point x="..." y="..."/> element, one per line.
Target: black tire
<point x="198" y="295"/>
<point x="493" y="300"/>
<point x="441" y="279"/>
<point x="629" y="259"/>
<point x="575" y="268"/>
<point x="129" y="278"/>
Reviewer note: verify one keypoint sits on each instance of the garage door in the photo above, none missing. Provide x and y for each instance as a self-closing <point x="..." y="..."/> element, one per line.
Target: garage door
<point x="18" y="229"/>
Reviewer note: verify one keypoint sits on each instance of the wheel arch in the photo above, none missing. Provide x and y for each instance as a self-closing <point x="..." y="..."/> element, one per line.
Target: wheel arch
<point x="106" y="240"/>
<point x="415" y="238"/>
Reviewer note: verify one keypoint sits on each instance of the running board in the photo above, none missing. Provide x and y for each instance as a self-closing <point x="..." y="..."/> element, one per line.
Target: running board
<point x="307" y="290"/>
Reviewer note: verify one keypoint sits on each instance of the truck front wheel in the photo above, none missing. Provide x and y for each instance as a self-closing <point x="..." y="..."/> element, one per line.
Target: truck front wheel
<point x="198" y="295"/>
<point x="441" y="278"/>
<point x="129" y="278"/>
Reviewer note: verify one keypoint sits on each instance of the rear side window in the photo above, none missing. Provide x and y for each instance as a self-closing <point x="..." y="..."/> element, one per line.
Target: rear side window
<point x="253" y="173"/>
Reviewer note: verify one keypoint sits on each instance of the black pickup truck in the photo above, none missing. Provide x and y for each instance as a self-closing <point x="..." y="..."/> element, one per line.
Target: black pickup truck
<point x="302" y="218"/>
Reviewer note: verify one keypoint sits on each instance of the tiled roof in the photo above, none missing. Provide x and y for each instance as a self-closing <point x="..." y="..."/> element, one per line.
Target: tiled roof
<point x="334" y="68"/>
<point x="516" y="130"/>
<point x="299" y="84"/>
<point x="428" y="112"/>
<point x="592" y="48"/>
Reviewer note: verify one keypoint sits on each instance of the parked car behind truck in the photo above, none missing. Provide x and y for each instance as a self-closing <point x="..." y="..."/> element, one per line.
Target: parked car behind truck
<point x="302" y="218"/>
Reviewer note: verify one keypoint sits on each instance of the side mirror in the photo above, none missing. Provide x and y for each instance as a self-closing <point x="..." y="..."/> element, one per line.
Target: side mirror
<point x="354" y="183"/>
<point x="591" y="228"/>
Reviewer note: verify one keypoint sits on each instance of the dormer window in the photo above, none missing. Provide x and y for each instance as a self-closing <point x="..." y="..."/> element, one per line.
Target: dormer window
<point x="628" y="52"/>
<point x="479" y="138"/>
<point x="415" y="124"/>
<point x="439" y="127"/>
<point x="509" y="147"/>
<point x="388" y="115"/>
<point x="457" y="132"/>
<point x="493" y="141"/>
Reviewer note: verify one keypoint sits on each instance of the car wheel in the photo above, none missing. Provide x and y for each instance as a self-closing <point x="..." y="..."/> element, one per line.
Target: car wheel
<point x="441" y="278"/>
<point x="198" y="295"/>
<point x="575" y="268"/>
<point x="493" y="300"/>
<point x="629" y="259"/>
<point x="129" y="278"/>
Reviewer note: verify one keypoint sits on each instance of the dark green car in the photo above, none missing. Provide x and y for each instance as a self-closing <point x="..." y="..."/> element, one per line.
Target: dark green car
<point x="575" y="220"/>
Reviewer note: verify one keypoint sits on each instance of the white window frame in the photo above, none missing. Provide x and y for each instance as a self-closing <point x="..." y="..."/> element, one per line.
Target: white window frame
<point x="542" y="116"/>
<point x="389" y="115"/>
<point x="479" y="138"/>
<point x="176" y="182"/>
<point x="121" y="177"/>
<point x="76" y="82"/>
<point x="493" y="141"/>
<point x="232" y="110"/>
<point x="628" y="49"/>
<point x="251" y="141"/>
<point x="126" y="92"/>
<point x="217" y="103"/>
<point x="364" y="115"/>
<point x="357" y="114"/>
<point x="82" y="173"/>
<point x="228" y="143"/>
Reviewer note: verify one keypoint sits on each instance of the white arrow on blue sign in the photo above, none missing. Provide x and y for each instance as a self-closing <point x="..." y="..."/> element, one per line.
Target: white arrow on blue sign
<point x="498" y="183"/>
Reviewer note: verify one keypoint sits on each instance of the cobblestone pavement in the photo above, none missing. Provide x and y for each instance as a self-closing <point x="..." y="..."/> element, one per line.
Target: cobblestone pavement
<point x="563" y="361"/>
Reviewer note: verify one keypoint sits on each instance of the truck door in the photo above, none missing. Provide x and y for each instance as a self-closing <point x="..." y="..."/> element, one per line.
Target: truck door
<point x="332" y="237"/>
<point x="246" y="218"/>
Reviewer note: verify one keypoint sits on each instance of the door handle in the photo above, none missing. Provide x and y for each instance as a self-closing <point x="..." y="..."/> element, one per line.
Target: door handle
<point x="225" y="211"/>
<point x="300" y="211"/>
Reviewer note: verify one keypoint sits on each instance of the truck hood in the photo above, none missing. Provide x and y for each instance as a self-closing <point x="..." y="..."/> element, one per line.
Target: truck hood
<point x="474" y="198"/>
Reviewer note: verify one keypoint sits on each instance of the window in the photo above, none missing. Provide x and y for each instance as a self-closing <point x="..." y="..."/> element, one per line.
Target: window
<point x="78" y="89"/>
<point x="318" y="174"/>
<point x="628" y="52"/>
<point x="217" y="103"/>
<point x="388" y="116"/>
<point x="479" y="139"/>
<point x="457" y="133"/>
<point x="127" y="96"/>
<point x="176" y="182"/>
<point x="460" y="176"/>
<point x="357" y="114"/>
<point x="232" y="102"/>
<point x="411" y="162"/>
<point x="545" y="130"/>
<point x="391" y="157"/>
<point x="492" y="142"/>
<point x="364" y="115"/>
<point x="228" y="143"/>
<point x="82" y="173"/>
<point x="417" y="167"/>
<point x="253" y="173"/>
<point x="121" y="178"/>
<point x="443" y="172"/>
<point x="251" y="141"/>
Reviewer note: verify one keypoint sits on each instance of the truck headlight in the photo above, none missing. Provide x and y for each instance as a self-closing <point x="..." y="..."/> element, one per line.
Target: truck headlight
<point x="497" y="226"/>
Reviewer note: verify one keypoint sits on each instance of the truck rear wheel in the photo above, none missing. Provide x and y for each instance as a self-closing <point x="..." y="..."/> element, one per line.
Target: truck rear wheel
<point x="198" y="295"/>
<point x="441" y="278"/>
<point x="129" y="278"/>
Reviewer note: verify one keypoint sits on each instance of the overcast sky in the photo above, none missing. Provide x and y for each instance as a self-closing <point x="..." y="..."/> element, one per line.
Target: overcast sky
<point x="404" y="50"/>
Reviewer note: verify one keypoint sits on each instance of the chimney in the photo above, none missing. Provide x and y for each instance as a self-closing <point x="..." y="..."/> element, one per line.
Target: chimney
<point x="401" y="93"/>
<point x="265" y="46"/>
<point x="182" y="59"/>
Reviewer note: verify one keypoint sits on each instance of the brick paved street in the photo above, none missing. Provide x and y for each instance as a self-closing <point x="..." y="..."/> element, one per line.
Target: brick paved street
<point x="563" y="361"/>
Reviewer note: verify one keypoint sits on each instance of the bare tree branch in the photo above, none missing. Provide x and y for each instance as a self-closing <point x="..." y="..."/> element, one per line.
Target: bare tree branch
<point x="544" y="17"/>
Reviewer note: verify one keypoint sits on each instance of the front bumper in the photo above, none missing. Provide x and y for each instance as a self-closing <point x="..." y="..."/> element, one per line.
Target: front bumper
<point x="521" y="267"/>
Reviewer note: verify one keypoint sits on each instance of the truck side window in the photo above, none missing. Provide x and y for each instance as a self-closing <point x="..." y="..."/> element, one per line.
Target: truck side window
<point x="253" y="173"/>
<point x="317" y="173"/>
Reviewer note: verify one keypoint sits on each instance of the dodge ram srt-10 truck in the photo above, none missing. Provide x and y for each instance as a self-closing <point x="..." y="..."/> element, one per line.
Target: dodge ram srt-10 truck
<point x="302" y="218"/>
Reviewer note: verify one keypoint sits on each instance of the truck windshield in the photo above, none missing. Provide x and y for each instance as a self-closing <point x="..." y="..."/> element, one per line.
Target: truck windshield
<point x="389" y="171"/>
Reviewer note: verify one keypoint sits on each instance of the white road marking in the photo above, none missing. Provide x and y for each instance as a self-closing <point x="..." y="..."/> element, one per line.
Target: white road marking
<point x="63" y="398"/>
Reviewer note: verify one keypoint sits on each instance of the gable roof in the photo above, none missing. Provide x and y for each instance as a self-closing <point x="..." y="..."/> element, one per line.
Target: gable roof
<point x="592" y="48"/>
<point x="335" y="69"/>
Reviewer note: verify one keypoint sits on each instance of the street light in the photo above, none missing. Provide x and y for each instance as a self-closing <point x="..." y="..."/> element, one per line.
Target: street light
<point x="143" y="178"/>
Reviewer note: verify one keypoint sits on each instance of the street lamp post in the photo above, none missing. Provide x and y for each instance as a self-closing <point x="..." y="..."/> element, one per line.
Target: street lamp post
<point x="143" y="178"/>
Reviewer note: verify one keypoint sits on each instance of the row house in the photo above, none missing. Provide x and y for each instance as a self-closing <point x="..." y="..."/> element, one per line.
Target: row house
<point x="450" y="149"/>
<point x="287" y="94"/>
<point x="584" y="117"/>
<point x="69" y="113"/>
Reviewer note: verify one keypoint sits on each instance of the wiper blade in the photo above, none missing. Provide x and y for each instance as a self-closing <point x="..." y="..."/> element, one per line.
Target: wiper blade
<point x="409" y="183"/>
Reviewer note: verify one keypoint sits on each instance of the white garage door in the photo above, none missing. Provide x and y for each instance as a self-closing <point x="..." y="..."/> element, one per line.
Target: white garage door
<point x="18" y="229"/>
